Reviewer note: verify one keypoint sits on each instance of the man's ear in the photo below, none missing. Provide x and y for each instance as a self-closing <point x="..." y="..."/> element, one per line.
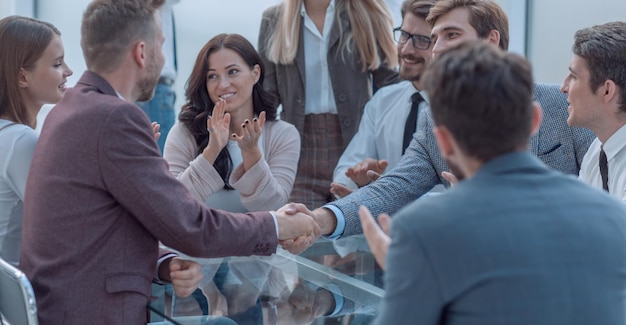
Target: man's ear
<point x="444" y="140"/>
<point x="537" y="118"/>
<point x="494" y="38"/>
<point x="610" y="92"/>
<point x="139" y="53"/>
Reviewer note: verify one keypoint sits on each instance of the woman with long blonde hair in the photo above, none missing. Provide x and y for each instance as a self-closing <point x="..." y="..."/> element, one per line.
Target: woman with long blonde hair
<point x="323" y="59"/>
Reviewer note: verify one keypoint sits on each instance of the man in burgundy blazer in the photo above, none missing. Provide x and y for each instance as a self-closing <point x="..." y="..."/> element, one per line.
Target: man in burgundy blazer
<point x="99" y="195"/>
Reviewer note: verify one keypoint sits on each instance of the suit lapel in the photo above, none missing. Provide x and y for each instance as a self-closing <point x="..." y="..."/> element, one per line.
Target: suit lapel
<point x="334" y="31"/>
<point x="299" y="60"/>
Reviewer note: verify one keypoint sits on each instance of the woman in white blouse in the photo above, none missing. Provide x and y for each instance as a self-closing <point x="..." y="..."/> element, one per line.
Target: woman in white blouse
<point x="228" y="148"/>
<point x="33" y="74"/>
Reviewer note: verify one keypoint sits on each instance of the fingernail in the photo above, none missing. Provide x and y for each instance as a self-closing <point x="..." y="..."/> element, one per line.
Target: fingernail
<point x="255" y="119"/>
<point x="247" y="121"/>
<point x="234" y="135"/>
<point x="243" y="126"/>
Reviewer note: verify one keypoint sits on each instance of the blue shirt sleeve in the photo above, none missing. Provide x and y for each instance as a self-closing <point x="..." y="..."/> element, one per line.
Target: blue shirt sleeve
<point x="341" y="221"/>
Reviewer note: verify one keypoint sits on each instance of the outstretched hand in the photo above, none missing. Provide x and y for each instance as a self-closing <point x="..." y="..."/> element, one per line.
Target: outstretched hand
<point x="248" y="140"/>
<point x="360" y="175"/>
<point x="218" y="126"/>
<point x="377" y="236"/>
<point x="340" y="190"/>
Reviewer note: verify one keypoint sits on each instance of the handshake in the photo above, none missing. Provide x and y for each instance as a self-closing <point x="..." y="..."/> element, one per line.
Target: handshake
<point x="298" y="227"/>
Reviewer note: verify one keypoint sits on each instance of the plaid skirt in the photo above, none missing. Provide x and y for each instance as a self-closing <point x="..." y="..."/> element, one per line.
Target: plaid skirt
<point x="322" y="145"/>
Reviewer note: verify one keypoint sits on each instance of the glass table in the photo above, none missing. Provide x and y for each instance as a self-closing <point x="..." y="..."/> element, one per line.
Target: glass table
<point x="326" y="284"/>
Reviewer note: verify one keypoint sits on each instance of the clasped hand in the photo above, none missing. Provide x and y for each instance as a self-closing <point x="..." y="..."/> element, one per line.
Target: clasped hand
<point x="297" y="228"/>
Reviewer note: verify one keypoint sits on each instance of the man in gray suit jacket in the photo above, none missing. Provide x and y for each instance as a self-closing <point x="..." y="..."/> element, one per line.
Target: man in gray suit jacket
<point x="100" y="196"/>
<point x="516" y="242"/>
<point x="556" y="144"/>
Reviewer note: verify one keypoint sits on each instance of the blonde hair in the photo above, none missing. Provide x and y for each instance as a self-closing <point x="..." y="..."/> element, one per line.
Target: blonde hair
<point x="371" y="32"/>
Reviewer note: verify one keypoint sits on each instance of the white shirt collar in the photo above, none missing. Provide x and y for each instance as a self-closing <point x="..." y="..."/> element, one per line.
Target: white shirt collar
<point x="331" y="5"/>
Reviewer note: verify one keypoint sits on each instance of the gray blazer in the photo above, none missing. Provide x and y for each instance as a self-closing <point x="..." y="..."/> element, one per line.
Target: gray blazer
<point x="99" y="198"/>
<point x="556" y="144"/>
<point x="518" y="243"/>
<point x="352" y="86"/>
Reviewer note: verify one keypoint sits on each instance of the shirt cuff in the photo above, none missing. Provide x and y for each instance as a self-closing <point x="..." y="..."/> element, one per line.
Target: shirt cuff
<point x="341" y="221"/>
<point x="156" y="278"/>
<point x="275" y="222"/>
<point x="335" y="290"/>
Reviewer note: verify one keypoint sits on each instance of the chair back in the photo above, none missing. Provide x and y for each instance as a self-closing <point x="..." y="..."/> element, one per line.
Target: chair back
<point x="17" y="299"/>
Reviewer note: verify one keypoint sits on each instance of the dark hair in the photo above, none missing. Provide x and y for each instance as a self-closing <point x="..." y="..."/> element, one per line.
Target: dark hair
<point x="419" y="8"/>
<point x="22" y="42"/>
<point x="483" y="96"/>
<point x="484" y="16"/>
<point x="199" y="105"/>
<point x="604" y="49"/>
<point x="109" y="27"/>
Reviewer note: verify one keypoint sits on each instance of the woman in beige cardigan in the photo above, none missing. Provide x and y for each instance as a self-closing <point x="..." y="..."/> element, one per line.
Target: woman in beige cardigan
<point x="228" y="148"/>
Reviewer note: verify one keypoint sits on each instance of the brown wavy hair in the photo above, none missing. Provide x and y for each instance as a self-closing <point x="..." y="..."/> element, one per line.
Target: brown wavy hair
<point x="199" y="105"/>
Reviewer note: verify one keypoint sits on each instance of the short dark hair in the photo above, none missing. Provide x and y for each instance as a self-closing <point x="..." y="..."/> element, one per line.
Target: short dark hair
<point x="483" y="96"/>
<point x="199" y="105"/>
<point x="603" y="47"/>
<point x="419" y="8"/>
<point x="110" y="27"/>
<point x="22" y="42"/>
<point x="484" y="16"/>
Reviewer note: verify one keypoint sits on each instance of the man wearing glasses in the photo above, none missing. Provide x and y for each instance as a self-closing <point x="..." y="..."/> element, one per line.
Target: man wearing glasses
<point x="390" y="117"/>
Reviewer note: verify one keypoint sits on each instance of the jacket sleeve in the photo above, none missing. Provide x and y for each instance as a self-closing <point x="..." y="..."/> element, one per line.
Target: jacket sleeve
<point x="138" y="179"/>
<point x="416" y="173"/>
<point x="191" y="169"/>
<point x="267" y="185"/>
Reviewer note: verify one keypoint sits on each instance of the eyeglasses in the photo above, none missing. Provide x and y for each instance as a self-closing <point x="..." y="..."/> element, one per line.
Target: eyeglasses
<point x="421" y="42"/>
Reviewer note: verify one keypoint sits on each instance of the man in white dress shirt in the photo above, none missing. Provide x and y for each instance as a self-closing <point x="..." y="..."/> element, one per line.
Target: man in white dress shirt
<point x="378" y="143"/>
<point x="596" y="92"/>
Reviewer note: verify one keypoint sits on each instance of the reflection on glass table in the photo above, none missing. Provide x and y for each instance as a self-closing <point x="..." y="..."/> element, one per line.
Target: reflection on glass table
<point x="350" y="256"/>
<point x="278" y="289"/>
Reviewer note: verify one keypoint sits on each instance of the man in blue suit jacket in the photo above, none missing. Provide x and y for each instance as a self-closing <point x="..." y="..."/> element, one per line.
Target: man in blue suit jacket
<point x="516" y="242"/>
<point x="556" y="144"/>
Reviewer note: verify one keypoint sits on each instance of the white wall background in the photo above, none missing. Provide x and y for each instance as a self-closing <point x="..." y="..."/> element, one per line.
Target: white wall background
<point x="552" y="26"/>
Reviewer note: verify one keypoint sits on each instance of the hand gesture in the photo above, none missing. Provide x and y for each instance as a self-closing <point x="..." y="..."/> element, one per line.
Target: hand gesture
<point x="377" y="237"/>
<point x="339" y="190"/>
<point x="297" y="230"/>
<point x="359" y="173"/>
<point x="155" y="131"/>
<point x="185" y="276"/>
<point x="248" y="141"/>
<point x="217" y="125"/>
<point x="451" y="178"/>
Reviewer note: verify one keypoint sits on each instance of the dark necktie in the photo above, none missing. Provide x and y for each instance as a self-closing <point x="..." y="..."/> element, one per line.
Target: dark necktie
<point x="604" y="170"/>
<point x="411" y="121"/>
